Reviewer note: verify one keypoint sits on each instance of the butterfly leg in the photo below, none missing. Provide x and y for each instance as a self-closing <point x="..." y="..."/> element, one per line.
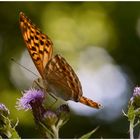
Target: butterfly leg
<point x="54" y="102"/>
<point x="37" y="84"/>
<point x="53" y="97"/>
<point x="57" y="102"/>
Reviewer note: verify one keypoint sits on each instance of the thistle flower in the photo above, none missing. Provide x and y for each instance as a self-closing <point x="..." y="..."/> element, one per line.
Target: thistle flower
<point x="29" y="97"/>
<point x="32" y="99"/>
<point x="135" y="99"/>
<point x="133" y="113"/>
<point x="47" y="120"/>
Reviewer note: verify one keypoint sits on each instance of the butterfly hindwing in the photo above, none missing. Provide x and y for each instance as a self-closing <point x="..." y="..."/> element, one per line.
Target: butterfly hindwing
<point x="62" y="79"/>
<point x="38" y="44"/>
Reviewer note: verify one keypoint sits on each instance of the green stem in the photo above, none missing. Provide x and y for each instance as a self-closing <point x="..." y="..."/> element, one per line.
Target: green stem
<point x="55" y="130"/>
<point x="139" y="131"/>
<point x="48" y="133"/>
<point x="139" y="136"/>
<point x="131" y="128"/>
<point x="60" y="122"/>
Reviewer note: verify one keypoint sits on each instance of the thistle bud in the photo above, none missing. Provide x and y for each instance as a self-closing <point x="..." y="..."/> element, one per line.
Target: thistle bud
<point x="63" y="113"/>
<point x="50" y="118"/>
<point x="135" y="99"/>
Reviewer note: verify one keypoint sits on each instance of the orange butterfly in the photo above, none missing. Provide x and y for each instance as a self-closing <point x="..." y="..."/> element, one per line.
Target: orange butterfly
<point x="58" y="76"/>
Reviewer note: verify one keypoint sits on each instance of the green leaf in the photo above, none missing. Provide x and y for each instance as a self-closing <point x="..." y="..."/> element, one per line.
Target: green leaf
<point x="88" y="135"/>
<point x="7" y="129"/>
<point x="131" y="113"/>
<point x="14" y="134"/>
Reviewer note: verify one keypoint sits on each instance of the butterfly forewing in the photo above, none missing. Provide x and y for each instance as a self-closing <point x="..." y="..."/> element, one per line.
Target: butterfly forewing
<point x="62" y="80"/>
<point x="38" y="44"/>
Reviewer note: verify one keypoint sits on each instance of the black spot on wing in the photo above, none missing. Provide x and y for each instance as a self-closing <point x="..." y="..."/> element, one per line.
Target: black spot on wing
<point x="46" y="50"/>
<point x="41" y="42"/>
<point x="37" y="32"/>
<point x="29" y="40"/>
<point x="34" y="53"/>
<point x="32" y="32"/>
<point x="41" y="52"/>
<point x="33" y="48"/>
<point x="43" y="37"/>
<point x="36" y="37"/>
<point x="36" y="44"/>
<point x="31" y="37"/>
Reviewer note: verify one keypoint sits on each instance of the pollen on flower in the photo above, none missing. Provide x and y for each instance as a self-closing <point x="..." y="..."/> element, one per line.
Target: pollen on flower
<point x="28" y="96"/>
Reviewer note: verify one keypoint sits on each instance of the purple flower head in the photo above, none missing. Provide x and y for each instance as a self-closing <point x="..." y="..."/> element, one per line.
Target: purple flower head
<point x="136" y="91"/>
<point x="4" y="110"/>
<point x="30" y="97"/>
<point x="135" y="99"/>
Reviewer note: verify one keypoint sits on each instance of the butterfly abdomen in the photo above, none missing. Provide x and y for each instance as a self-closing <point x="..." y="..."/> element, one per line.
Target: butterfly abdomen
<point x="90" y="103"/>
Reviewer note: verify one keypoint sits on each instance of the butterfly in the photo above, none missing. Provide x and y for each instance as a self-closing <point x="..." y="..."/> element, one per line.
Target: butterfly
<point x="58" y="76"/>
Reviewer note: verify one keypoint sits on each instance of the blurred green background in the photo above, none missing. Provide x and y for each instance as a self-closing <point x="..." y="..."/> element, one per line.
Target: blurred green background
<point x="73" y="27"/>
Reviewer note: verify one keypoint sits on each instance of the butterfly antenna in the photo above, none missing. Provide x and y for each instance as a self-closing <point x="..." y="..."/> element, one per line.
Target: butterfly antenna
<point x="12" y="59"/>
